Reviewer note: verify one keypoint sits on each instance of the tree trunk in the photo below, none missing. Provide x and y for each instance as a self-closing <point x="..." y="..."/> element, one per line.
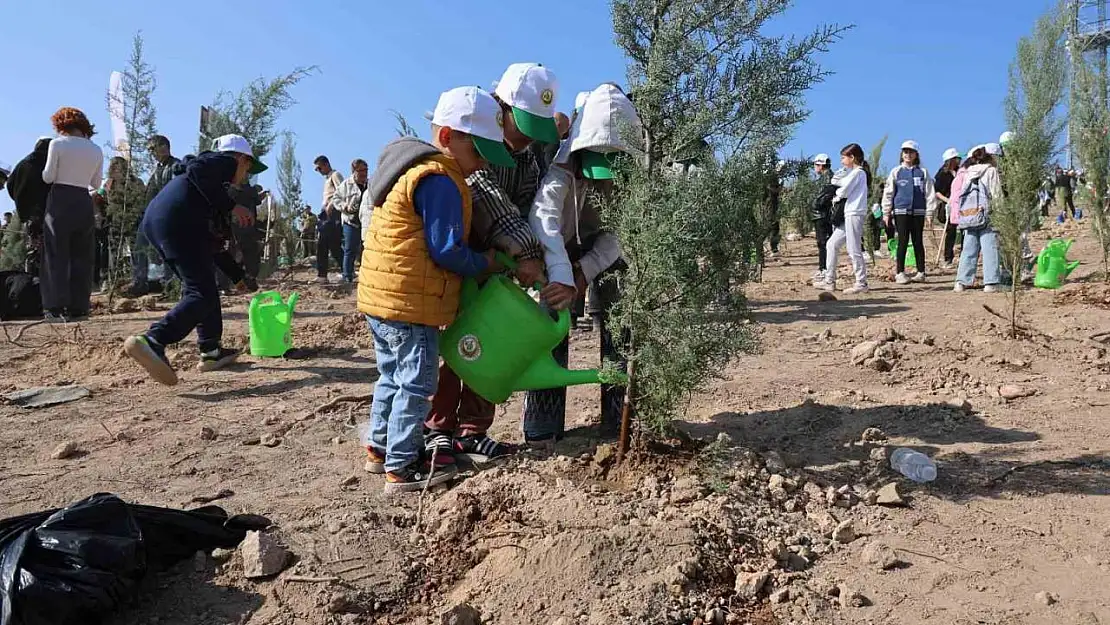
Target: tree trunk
<point x="626" y="413"/>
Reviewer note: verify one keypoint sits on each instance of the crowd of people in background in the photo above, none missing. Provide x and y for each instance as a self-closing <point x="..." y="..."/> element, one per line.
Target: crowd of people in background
<point x="505" y="182"/>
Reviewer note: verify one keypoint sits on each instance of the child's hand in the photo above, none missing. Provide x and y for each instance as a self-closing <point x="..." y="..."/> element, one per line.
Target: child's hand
<point x="559" y="296"/>
<point x="242" y="216"/>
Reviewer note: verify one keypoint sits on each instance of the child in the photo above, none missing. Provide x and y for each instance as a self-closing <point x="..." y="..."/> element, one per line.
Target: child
<point x="413" y="262"/>
<point x="852" y="183"/>
<point x="821" y="211"/>
<point x="907" y="198"/>
<point x="188" y="223"/>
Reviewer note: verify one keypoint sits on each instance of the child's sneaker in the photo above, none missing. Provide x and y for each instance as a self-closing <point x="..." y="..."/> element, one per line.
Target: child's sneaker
<point x="902" y="278"/>
<point x="152" y="357"/>
<point x="959" y="288"/>
<point x="440" y="448"/>
<point x="918" y="277"/>
<point x="54" y="315"/>
<point x="859" y="289"/>
<point x="997" y="288"/>
<point x="481" y="449"/>
<point x="415" y="477"/>
<point x="824" y="286"/>
<point x="217" y="359"/>
<point x="375" y="461"/>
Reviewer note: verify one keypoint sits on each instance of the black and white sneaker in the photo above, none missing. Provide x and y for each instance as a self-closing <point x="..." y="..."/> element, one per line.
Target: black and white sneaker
<point x="417" y="476"/>
<point x="54" y="315"/>
<point x="217" y="359"/>
<point x="440" y="448"/>
<point x="481" y="449"/>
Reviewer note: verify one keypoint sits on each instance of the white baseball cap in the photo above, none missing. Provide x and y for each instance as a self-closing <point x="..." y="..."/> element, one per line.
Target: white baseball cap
<point x="530" y="88"/>
<point x="993" y="149"/>
<point x="239" y="145"/>
<point x="1006" y="137"/>
<point x="822" y="159"/>
<point x="475" y="112"/>
<point x="911" y="145"/>
<point x="950" y="154"/>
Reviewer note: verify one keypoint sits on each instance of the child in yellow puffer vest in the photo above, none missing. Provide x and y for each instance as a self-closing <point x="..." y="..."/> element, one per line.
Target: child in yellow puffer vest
<point x="413" y="262"/>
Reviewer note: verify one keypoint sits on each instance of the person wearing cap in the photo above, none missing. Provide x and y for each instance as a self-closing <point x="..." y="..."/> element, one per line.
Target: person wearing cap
<point x="942" y="188"/>
<point x="414" y="259"/>
<point x="907" y="198"/>
<point x="821" y="211"/>
<point x="1064" y="183"/>
<point x="566" y="208"/>
<point x="329" y="247"/>
<point x="980" y="186"/>
<point x="188" y="224"/>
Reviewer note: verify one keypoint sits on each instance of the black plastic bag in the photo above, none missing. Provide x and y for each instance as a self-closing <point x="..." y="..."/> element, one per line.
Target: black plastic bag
<point x="80" y="563"/>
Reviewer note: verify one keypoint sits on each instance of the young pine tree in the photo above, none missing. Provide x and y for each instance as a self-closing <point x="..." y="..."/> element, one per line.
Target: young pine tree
<point x="1090" y="119"/>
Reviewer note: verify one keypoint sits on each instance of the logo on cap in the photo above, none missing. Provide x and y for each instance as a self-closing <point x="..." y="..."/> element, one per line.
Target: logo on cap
<point x="548" y="96"/>
<point x="470" y="348"/>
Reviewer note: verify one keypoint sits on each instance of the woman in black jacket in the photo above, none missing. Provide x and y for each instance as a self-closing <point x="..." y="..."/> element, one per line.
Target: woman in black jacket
<point x="821" y="212"/>
<point x="942" y="187"/>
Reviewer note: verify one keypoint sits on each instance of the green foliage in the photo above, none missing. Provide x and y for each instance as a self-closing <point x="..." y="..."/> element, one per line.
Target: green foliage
<point x="800" y="188"/>
<point x="878" y="179"/>
<point x="404" y="128"/>
<point x="705" y="80"/>
<point x="254" y="111"/>
<point x="1038" y="76"/>
<point x="282" y="227"/>
<point x="13" y="246"/>
<point x="1090" y="119"/>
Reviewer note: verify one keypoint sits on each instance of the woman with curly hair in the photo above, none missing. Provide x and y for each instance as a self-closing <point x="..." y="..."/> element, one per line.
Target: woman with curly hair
<point x="74" y="164"/>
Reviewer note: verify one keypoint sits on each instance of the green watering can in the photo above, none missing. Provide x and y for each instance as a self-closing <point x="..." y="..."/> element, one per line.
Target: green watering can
<point x="501" y="341"/>
<point x="1052" y="264"/>
<point x="892" y="247"/>
<point x="271" y="324"/>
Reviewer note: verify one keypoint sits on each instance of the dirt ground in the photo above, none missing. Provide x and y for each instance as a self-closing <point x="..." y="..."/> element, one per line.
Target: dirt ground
<point x="767" y="517"/>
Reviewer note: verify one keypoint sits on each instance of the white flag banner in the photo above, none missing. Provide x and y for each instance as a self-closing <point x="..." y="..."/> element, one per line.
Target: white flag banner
<point x="115" y="111"/>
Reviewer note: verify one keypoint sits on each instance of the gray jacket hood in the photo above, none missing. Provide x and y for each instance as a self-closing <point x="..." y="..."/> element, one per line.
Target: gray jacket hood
<point x="396" y="158"/>
<point x="607" y="123"/>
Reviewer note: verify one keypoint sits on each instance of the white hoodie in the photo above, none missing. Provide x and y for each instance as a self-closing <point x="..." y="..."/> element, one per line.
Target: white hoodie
<point x="560" y="211"/>
<point x="852" y="185"/>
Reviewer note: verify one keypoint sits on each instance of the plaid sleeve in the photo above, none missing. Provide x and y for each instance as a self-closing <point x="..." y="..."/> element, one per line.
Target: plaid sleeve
<point x="498" y="223"/>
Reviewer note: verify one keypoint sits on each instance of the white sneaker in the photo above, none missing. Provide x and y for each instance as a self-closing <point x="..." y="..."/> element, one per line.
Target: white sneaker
<point x="818" y="276"/>
<point x="322" y="280"/>
<point x="997" y="288"/>
<point x="858" y="289"/>
<point x="947" y="266"/>
<point x="825" y="286"/>
<point x="902" y="279"/>
<point x="959" y="288"/>
<point x="918" y="277"/>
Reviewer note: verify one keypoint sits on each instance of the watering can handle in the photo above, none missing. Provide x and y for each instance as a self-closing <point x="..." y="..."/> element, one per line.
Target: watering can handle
<point x="261" y="298"/>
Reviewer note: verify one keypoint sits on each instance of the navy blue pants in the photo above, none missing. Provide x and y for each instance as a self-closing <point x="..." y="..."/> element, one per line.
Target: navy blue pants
<point x="199" y="306"/>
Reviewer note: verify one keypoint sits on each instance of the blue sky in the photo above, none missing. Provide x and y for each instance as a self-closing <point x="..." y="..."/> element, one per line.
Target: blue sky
<point x="908" y="69"/>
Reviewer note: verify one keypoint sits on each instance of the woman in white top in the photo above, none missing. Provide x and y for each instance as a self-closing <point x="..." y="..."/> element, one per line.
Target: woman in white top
<point x="853" y="182"/>
<point x="74" y="164"/>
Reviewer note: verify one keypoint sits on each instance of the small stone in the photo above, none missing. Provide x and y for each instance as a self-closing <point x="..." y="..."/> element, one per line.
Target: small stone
<point x="928" y="339"/>
<point x="251" y="440"/>
<point x="774" y="461"/>
<point x="207" y="434"/>
<point x="341" y="603"/>
<point x="604" y="455"/>
<point x="222" y="555"/>
<point x="844" y="533"/>
<point x="831" y="496"/>
<point x="269" y="420"/>
<point x="1086" y="618"/>
<point x="825" y="296"/>
<point x="871" y="498"/>
<point x="878" y="454"/>
<point x="864" y="351"/>
<point x="1046" y="598"/>
<point x="715" y="616"/>
<point x="851" y="599"/>
<point x="873" y="435"/>
<point x="825" y="335"/>
<point x="461" y="614"/>
<point x="685" y="490"/>
<point x="888" y="496"/>
<point x="269" y="440"/>
<point x="262" y="555"/>
<point x="1010" y="392"/>
<point x="65" y="451"/>
<point x="880" y="555"/>
<point x="748" y="585"/>
<point x="780" y="596"/>
<point x="348" y="481"/>
<point x="961" y="403"/>
<point x="881" y="365"/>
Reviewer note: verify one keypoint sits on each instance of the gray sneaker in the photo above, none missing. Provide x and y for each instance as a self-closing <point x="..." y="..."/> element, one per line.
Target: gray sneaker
<point x="151" y="357"/>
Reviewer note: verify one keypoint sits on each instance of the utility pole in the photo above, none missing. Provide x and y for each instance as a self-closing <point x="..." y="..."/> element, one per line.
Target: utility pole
<point x="1088" y="38"/>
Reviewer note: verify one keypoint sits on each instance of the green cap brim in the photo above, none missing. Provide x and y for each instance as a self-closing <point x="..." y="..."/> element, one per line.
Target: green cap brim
<point x="257" y="167"/>
<point x="536" y="128"/>
<point x="493" y="151"/>
<point x="597" y="166"/>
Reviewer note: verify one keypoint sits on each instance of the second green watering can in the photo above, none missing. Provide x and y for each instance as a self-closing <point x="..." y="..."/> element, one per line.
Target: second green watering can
<point x="271" y="324"/>
<point x="501" y="342"/>
<point x="1052" y="264"/>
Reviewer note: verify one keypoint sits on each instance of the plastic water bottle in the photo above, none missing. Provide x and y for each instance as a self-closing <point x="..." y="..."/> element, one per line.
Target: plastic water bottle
<point x="914" y="465"/>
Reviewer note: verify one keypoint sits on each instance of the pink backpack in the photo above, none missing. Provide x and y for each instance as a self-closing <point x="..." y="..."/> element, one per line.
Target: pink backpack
<point x="954" y="197"/>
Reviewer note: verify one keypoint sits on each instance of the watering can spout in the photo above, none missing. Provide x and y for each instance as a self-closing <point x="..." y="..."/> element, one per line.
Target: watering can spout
<point x="293" y="302"/>
<point x="545" y="373"/>
<point x="1071" y="267"/>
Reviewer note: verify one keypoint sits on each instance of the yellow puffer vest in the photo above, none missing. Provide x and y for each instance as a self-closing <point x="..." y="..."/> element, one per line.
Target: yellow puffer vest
<point x="398" y="280"/>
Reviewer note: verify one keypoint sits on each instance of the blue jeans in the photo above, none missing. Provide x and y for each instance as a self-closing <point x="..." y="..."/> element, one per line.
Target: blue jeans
<point x="408" y="369"/>
<point x="352" y="249"/>
<point x="976" y="240"/>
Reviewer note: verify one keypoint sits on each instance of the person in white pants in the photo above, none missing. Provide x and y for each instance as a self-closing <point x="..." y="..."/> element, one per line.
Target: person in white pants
<point x="853" y="182"/>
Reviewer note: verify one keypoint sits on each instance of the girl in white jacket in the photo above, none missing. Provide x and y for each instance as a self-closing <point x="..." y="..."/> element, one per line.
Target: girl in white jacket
<point x="853" y="182"/>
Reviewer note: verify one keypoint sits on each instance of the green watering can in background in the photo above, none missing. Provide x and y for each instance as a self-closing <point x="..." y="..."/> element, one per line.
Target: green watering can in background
<point x="271" y="324"/>
<point x="501" y="341"/>
<point x="1052" y="264"/>
<point x="892" y="247"/>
